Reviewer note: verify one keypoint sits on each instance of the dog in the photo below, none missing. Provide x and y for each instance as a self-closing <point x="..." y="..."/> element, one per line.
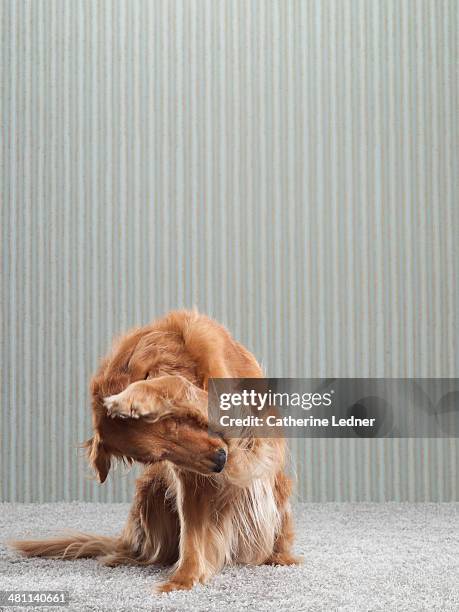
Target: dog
<point x="202" y="502"/>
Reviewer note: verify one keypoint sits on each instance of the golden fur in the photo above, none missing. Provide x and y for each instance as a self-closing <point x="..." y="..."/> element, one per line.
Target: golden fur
<point x="149" y="401"/>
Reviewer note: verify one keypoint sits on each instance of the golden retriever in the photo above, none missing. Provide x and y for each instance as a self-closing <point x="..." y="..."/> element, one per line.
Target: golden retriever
<point x="201" y="502"/>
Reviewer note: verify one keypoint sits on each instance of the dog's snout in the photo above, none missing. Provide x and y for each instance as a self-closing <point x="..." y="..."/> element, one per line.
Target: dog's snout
<point x="220" y="460"/>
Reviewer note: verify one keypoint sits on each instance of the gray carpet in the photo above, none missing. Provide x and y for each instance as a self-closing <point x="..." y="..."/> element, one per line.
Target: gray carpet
<point x="356" y="557"/>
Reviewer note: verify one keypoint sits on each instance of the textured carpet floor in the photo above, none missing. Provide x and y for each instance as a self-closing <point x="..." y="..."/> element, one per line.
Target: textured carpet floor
<point x="356" y="557"/>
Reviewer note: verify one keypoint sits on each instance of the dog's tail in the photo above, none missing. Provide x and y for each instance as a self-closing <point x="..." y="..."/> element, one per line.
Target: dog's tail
<point x="72" y="546"/>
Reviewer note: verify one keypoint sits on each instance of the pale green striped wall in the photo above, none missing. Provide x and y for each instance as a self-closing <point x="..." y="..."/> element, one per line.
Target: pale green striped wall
<point x="291" y="167"/>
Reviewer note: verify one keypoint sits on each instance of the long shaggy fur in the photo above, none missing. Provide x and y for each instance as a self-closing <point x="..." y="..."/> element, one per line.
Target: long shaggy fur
<point x="191" y="510"/>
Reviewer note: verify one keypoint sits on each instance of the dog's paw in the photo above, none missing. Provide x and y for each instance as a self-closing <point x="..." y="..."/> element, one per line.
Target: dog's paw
<point x="120" y="406"/>
<point x="283" y="559"/>
<point x="183" y="584"/>
<point x="131" y="403"/>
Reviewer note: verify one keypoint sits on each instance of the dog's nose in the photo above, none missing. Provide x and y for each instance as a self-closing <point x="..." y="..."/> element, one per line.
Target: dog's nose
<point x="220" y="460"/>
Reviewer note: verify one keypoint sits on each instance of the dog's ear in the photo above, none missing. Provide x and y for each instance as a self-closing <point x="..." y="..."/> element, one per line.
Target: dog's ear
<point x="98" y="457"/>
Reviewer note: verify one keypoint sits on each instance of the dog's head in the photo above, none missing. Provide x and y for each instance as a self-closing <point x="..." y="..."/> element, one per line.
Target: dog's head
<point x="180" y="435"/>
<point x="175" y="431"/>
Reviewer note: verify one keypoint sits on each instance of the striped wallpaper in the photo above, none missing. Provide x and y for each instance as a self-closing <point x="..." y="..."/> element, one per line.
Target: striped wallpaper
<point x="290" y="167"/>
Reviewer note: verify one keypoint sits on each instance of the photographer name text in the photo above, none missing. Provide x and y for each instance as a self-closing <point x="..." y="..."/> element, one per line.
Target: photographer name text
<point x="290" y="421"/>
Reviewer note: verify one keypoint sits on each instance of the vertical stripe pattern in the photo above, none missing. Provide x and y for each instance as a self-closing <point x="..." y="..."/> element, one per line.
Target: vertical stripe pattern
<point x="289" y="167"/>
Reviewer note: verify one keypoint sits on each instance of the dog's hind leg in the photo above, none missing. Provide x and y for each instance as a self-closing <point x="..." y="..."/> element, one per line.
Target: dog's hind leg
<point x="282" y="554"/>
<point x="151" y="534"/>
